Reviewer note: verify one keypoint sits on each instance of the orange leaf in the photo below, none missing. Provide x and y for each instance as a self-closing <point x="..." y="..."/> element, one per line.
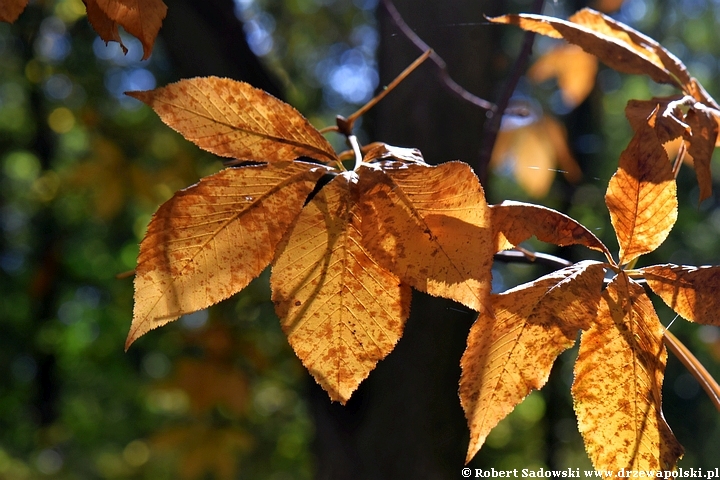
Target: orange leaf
<point x="619" y="46"/>
<point x="233" y="119"/>
<point x="691" y="292"/>
<point x="341" y="311"/>
<point x="511" y="352"/>
<point x="574" y="69"/>
<point x="515" y="222"/>
<point x="618" y="382"/>
<point x="702" y="138"/>
<point x="642" y="196"/>
<point x="105" y="27"/>
<point x="208" y="241"/>
<point x="431" y="227"/>
<point x="662" y="114"/>
<point x="10" y="10"/>
<point x="140" y="18"/>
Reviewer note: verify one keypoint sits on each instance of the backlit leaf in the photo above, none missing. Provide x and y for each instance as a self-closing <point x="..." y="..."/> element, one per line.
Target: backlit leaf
<point x="702" y="138"/>
<point x="208" y="241"/>
<point x="511" y="352"/>
<point x="574" y="69"/>
<point x="514" y="222"/>
<point x="642" y="196"/>
<point x="341" y="311"/>
<point x="431" y="227"/>
<point x="618" y="382"/>
<point x="619" y="46"/>
<point x="10" y="10"/>
<point x="691" y="292"/>
<point x="140" y="18"/>
<point x="233" y="119"/>
<point x="105" y="27"/>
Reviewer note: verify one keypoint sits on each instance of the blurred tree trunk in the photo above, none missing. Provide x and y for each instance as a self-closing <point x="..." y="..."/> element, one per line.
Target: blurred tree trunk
<point x="405" y="420"/>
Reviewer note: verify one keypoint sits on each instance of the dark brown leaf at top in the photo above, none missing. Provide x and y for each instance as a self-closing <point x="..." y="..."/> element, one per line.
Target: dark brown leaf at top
<point x="10" y="10"/>
<point x="692" y="292"/>
<point x="617" y="45"/>
<point x="514" y="222"/>
<point x="236" y="120"/>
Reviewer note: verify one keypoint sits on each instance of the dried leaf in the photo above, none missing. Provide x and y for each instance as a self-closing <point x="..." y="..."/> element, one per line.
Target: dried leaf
<point x="341" y="311"/>
<point x="208" y="241"/>
<point x="105" y="27"/>
<point x="511" y="352"/>
<point x="140" y="18"/>
<point x="618" y="382"/>
<point x="701" y="139"/>
<point x="662" y="114"/>
<point x="574" y="69"/>
<point x="515" y="222"/>
<point x="233" y="119"/>
<point x="617" y="45"/>
<point x="10" y="10"/>
<point x="642" y="196"/>
<point x="431" y="227"/>
<point x="382" y="151"/>
<point x="691" y="292"/>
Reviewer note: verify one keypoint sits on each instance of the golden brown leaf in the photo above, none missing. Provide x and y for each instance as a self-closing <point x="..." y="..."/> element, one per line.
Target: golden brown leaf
<point x="692" y="292"/>
<point x="642" y="196"/>
<point x="140" y="18"/>
<point x="341" y="311"/>
<point x="10" y="10"/>
<point x="617" y="45"/>
<point x="618" y="382"/>
<point x="511" y="352"/>
<point x="702" y="138"/>
<point x="233" y="119"/>
<point x="662" y="114"/>
<point x="208" y="241"/>
<point x="515" y="222"/>
<point x="431" y="227"/>
<point x="105" y="27"/>
<point x="574" y="69"/>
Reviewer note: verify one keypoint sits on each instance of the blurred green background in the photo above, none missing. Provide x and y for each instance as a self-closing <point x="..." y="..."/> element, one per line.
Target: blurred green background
<point x="219" y="394"/>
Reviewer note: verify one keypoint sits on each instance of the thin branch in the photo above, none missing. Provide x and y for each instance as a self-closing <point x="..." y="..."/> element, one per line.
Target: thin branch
<point x="437" y="59"/>
<point x="518" y="256"/>
<point x="693" y="365"/>
<point x="494" y="117"/>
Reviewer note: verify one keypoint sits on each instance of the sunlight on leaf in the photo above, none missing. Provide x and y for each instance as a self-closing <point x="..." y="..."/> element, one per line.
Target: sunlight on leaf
<point x="618" y="382"/>
<point x="510" y="353"/>
<point x="692" y="292"/>
<point x="208" y="241"/>
<point x="341" y="311"/>
<point x="431" y="227"/>
<point x="642" y="196"/>
<point x="233" y="119"/>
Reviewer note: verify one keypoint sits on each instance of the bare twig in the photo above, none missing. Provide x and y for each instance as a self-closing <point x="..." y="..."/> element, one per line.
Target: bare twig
<point x="437" y="60"/>
<point x="693" y="365"/>
<point x="494" y="117"/>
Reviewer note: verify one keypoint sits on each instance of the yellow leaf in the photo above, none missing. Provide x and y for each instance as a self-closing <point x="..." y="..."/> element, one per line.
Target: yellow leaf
<point x="574" y="69"/>
<point x="515" y="222"/>
<point x="140" y="18"/>
<point x="208" y="241"/>
<point x="341" y="311"/>
<point x="618" y="382"/>
<point x="617" y="45"/>
<point x="691" y="292"/>
<point x="10" y="10"/>
<point x="233" y="119"/>
<point x="431" y="227"/>
<point x="642" y="196"/>
<point x="511" y="352"/>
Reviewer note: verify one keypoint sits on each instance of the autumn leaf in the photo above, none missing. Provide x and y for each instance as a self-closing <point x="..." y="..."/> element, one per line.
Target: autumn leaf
<point x="431" y="227"/>
<point x="514" y="222"/>
<point x="140" y="18"/>
<point x="702" y="139"/>
<point x="510" y="353"/>
<point x="208" y="241"/>
<point x="618" y="383"/>
<point x="574" y="69"/>
<point x="642" y="196"/>
<point x="341" y="311"/>
<point x="233" y="119"/>
<point x="690" y="291"/>
<point x="10" y="10"/>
